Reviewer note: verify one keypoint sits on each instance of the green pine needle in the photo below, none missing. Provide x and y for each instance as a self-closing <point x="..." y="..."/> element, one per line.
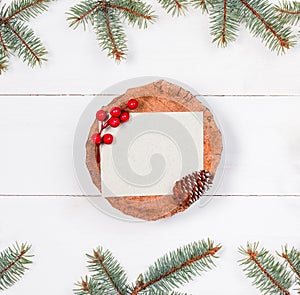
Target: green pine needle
<point x="89" y="286"/>
<point x="110" y="34"/>
<point x="224" y="21"/>
<point x="289" y="12"/>
<point x="16" y="37"/>
<point x="13" y="264"/>
<point x="24" y="10"/>
<point x="268" y="275"/>
<point x="175" y="7"/>
<point x="106" y="270"/>
<point x="107" y="18"/>
<point x="292" y="261"/>
<point x="3" y="61"/>
<point x="163" y="293"/>
<point x="204" y="5"/>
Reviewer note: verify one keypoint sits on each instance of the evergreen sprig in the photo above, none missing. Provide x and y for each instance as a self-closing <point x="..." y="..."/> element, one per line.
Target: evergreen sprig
<point x="271" y="23"/>
<point x="267" y="274"/>
<point x="292" y="259"/>
<point x="107" y="17"/>
<point x="289" y="12"/>
<point x="13" y="264"/>
<point x="16" y="37"/>
<point x="166" y="274"/>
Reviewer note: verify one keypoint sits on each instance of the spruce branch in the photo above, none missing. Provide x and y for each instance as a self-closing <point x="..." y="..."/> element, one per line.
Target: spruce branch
<point x="204" y="5"/>
<point x="289" y="12"/>
<point x="110" y="34"/>
<point x="269" y="276"/>
<point x="107" y="18"/>
<point x="16" y="37"/>
<point x="175" y="7"/>
<point x="224" y="21"/>
<point x="13" y="264"/>
<point x="26" y="9"/>
<point x="177" y="268"/>
<point x="292" y="260"/>
<point x="166" y="274"/>
<point x="89" y="286"/>
<point x="106" y="269"/>
<point x="23" y="41"/>
<point x="261" y="19"/>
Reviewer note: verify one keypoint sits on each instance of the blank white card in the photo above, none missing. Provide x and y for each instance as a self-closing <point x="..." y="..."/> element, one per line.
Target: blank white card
<point x="151" y="152"/>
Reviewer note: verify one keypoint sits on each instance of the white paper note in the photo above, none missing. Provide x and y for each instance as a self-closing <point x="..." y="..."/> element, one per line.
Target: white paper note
<point x="151" y="152"/>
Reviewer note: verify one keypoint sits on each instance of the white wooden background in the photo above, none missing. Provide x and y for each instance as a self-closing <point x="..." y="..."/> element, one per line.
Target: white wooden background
<point x="254" y="93"/>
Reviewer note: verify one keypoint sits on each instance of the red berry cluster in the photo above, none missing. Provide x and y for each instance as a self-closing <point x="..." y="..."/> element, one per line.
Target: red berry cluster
<point x="117" y="116"/>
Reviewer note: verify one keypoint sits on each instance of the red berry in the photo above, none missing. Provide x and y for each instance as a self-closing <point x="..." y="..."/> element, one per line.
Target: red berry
<point x="101" y="115"/>
<point x="108" y="138"/>
<point x="124" y="116"/>
<point x="96" y="138"/>
<point x="132" y="104"/>
<point x="115" y="112"/>
<point x="114" y="122"/>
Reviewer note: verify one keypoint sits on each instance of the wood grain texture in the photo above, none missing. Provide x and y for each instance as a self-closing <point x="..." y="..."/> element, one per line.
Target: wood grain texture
<point x="160" y="96"/>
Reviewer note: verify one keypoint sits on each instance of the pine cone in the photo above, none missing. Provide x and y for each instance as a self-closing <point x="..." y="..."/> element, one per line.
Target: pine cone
<point x="191" y="187"/>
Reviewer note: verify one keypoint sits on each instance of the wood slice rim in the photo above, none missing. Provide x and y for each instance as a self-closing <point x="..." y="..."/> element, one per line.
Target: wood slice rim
<point x="159" y="96"/>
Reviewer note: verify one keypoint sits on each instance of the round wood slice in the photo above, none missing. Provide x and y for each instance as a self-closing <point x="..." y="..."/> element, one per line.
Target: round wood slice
<point x="160" y="96"/>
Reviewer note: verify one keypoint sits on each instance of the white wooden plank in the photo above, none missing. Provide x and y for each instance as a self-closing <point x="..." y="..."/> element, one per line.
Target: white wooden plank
<point x="261" y="144"/>
<point x="63" y="230"/>
<point x="179" y="48"/>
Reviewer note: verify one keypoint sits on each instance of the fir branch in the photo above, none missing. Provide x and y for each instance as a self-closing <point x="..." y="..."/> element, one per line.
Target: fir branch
<point x="262" y="21"/>
<point x="110" y="34"/>
<point x="23" y="41"/>
<point x="107" y="19"/>
<point x="25" y="9"/>
<point x="134" y="12"/>
<point x="289" y="12"/>
<point x="13" y="263"/>
<point x="89" y="286"/>
<point x="175" y="7"/>
<point x="269" y="276"/>
<point x="15" y="36"/>
<point x="106" y="270"/>
<point x="204" y="5"/>
<point x="169" y="272"/>
<point x="292" y="259"/>
<point x="83" y="13"/>
<point x="224" y="21"/>
<point x="177" y="268"/>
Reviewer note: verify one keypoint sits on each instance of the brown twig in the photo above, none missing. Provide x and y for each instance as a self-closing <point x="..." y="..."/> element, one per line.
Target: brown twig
<point x="21" y="10"/>
<point x="140" y="286"/>
<point x="178" y="4"/>
<point x="100" y="260"/>
<point x="24" y="42"/>
<point x="118" y="54"/>
<point x="283" y="42"/>
<point x="18" y="258"/>
<point x="252" y="256"/>
<point x="291" y="264"/>
<point x="223" y="38"/>
<point x="2" y="42"/>
<point x="128" y="10"/>
<point x="85" y="287"/>
<point x="289" y="12"/>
